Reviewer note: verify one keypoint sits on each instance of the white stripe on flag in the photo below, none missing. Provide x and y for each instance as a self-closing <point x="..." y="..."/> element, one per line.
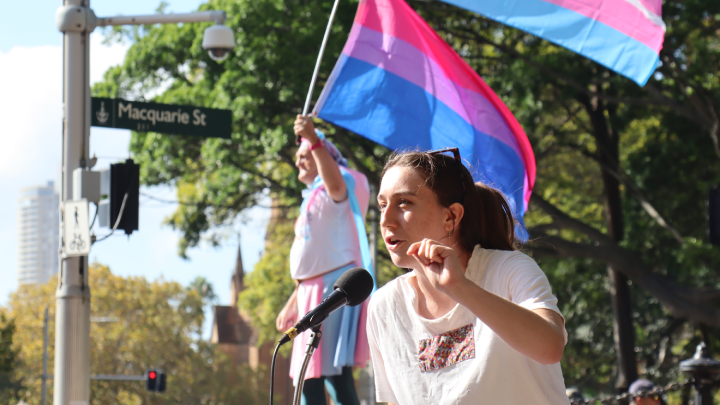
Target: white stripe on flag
<point x="654" y="18"/>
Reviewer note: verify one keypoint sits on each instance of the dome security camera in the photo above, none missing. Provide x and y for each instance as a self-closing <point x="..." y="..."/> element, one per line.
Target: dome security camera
<point x="219" y="40"/>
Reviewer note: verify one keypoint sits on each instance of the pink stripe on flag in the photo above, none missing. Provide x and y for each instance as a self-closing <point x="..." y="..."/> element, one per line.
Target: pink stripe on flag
<point x="655" y="6"/>
<point x="620" y="15"/>
<point x="397" y="19"/>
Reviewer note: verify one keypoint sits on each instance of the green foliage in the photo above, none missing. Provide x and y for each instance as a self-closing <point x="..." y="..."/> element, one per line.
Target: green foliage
<point x="159" y="324"/>
<point x="269" y="285"/>
<point x="10" y="385"/>
<point x="203" y="287"/>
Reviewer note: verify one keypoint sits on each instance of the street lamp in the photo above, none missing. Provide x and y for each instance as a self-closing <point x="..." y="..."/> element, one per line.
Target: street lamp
<point x="703" y="369"/>
<point x="76" y="20"/>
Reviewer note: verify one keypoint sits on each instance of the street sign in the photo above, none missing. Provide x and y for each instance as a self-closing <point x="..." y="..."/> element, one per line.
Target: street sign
<point x="77" y="228"/>
<point x="164" y="118"/>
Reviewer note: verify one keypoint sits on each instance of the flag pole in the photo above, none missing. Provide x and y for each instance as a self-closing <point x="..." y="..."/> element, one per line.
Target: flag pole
<point x="317" y="63"/>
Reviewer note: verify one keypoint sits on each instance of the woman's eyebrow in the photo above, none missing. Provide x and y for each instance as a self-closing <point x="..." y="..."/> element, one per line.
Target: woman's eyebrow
<point x="399" y="194"/>
<point x="405" y="193"/>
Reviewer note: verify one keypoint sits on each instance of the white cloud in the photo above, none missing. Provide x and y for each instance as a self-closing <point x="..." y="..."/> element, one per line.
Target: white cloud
<point x="30" y="112"/>
<point x="31" y="107"/>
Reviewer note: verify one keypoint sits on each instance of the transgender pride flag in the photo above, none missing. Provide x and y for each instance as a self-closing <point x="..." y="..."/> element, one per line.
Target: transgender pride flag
<point x="623" y="35"/>
<point x="399" y="84"/>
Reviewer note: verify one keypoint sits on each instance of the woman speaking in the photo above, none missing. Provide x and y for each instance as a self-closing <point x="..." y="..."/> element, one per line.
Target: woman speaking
<point x="475" y="321"/>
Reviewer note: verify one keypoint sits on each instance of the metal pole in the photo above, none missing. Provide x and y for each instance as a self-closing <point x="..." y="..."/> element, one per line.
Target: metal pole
<point x="319" y="59"/>
<point x="312" y="344"/>
<point x="45" y="358"/>
<point x="217" y="16"/>
<point x="72" y="314"/>
<point x="111" y="377"/>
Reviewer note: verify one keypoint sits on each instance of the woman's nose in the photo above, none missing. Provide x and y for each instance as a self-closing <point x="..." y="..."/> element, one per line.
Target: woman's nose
<point x="385" y="219"/>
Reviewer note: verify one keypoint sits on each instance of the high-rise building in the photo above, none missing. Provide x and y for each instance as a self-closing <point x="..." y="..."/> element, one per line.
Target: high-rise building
<point x="38" y="233"/>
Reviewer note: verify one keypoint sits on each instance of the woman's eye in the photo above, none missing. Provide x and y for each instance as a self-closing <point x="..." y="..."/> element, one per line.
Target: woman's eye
<point x="404" y="202"/>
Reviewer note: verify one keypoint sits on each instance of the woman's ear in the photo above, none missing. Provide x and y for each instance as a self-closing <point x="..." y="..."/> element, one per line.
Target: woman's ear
<point x="455" y="215"/>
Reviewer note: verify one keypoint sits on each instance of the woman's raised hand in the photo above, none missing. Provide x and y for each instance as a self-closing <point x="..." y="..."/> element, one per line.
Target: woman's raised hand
<point x="440" y="264"/>
<point x="305" y="128"/>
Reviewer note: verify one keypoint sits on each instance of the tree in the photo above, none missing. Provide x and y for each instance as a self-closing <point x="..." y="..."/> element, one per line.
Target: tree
<point x="623" y="171"/>
<point x="10" y="385"/>
<point x="269" y="285"/>
<point x="159" y="325"/>
<point x="203" y="287"/>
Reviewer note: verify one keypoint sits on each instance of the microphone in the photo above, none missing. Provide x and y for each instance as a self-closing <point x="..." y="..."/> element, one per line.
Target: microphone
<point x="352" y="288"/>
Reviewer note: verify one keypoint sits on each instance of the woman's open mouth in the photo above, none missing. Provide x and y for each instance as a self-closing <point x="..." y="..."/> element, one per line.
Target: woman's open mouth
<point x="392" y="243"/>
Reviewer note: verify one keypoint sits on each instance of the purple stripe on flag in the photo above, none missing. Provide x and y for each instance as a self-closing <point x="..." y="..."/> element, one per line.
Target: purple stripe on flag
<point x="403" y="59"/>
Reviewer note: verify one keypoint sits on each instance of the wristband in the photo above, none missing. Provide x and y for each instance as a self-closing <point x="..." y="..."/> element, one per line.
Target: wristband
<point x="318" y="144"/>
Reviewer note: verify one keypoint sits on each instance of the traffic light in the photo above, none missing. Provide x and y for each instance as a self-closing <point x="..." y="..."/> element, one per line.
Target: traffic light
<point x="161" y="382"/>
<point x="120" y="180"/>
<point x="155" y="380"/>
<point x="151" y="380"/>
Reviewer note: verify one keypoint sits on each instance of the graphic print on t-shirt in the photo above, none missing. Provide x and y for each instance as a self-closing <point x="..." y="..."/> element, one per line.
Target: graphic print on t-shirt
<point x="447" y="349"/>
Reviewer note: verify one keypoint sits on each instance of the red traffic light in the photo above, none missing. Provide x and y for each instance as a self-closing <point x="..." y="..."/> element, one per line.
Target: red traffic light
<point x="155" y="380"/>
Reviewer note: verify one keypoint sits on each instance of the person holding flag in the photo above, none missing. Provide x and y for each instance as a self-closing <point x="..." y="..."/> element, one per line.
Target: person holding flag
<point x="330" y="238"/>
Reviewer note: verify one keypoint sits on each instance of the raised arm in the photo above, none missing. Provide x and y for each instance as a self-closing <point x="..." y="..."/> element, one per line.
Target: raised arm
<point x="538" y="333"/>
<point x="328" y="169"/>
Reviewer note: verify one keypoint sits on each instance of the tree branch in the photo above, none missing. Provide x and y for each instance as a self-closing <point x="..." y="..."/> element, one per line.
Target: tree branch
<point x="635" y="191"/>
<point x="564" y="221"/>
<point x="682" y="302"/>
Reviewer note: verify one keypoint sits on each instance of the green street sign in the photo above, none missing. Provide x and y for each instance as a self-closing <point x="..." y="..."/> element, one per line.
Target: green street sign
<point x="162" y="118"/>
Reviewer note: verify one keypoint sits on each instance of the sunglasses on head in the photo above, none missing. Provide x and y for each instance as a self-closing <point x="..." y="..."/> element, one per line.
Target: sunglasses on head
<point x="458" y="161"/>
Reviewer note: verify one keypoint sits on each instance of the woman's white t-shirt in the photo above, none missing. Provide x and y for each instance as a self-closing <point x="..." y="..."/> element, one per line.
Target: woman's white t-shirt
<point x="456" y="359"/>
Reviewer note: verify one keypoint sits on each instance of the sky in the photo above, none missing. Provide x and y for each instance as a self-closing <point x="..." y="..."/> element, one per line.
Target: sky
<point x="31" y="132"/>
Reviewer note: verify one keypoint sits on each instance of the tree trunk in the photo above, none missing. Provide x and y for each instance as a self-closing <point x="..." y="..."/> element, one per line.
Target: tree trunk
<point x="606" y="142"/>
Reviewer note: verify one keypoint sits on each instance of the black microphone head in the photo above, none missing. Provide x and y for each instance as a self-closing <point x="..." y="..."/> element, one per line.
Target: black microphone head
<point x="357" y="284"/>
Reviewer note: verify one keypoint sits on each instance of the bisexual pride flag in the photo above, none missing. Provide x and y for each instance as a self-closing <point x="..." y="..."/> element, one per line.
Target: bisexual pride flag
<point x="399" y="84"/>
<point x="623" y="35"/>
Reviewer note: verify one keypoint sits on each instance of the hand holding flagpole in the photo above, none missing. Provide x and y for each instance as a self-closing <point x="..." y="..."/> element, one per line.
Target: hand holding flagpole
<point x="317" y="64"/>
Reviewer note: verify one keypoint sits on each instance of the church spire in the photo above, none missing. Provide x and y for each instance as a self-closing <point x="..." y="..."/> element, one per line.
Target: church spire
<point x="237" y="281"/>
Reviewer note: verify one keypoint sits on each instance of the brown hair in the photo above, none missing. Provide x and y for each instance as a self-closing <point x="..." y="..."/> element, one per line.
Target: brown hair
<point x="487" y="221"/>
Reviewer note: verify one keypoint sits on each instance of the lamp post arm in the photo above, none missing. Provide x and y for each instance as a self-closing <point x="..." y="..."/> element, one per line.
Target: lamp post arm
<point x="217" y="16"/>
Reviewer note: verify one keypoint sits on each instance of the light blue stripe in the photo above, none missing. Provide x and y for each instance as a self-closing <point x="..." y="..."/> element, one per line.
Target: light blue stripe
<point x="397" y="114"/>
<point x="339" y="330"/>
<point x="590" y="38"/>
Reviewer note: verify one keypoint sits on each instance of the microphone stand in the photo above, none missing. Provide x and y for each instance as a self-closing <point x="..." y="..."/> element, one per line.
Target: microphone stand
<point x="313" y="344"/>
